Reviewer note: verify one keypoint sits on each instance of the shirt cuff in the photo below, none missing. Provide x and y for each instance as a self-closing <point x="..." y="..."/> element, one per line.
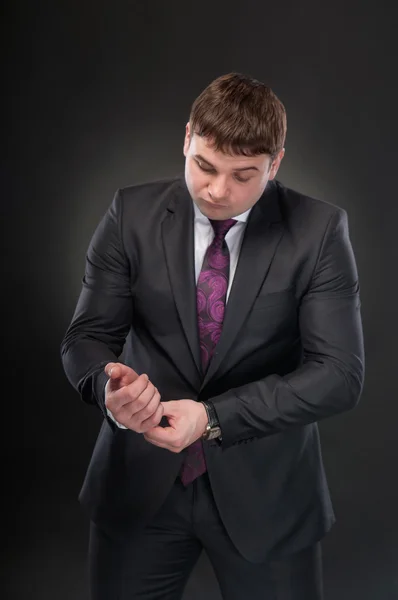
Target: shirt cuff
<point x="110" y="415"/>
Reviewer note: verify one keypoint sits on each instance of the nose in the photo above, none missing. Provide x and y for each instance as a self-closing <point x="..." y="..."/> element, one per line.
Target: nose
<point x="218" y="188"/>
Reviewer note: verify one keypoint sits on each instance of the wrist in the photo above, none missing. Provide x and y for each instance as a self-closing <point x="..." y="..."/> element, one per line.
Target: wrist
<point x="203" y="418"/>
<point x="212" y="429"/>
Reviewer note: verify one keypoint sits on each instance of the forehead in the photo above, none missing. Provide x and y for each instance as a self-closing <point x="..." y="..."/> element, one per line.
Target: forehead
<point x="205" y="148"/>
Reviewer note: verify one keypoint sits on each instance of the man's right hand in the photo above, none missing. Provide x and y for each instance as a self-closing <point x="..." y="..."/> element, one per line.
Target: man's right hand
<point x="132" y="399"/>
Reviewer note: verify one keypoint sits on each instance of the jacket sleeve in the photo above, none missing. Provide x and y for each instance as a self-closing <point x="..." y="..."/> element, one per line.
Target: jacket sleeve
<point x="103" y="315"/>
<point x="330" y="378"/>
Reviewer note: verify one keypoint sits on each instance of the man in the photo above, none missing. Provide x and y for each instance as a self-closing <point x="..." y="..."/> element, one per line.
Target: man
<point x="235" y="302"/>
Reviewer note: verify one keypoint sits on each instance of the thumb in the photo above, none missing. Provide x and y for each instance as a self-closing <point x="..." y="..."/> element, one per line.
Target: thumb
<point x="119" y="375"/>
<point x="170" y="408"/>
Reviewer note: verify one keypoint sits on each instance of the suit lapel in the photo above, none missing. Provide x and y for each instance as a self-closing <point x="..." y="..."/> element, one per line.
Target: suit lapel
<point x="178" y="243"/>
<point x="263" y="233"/>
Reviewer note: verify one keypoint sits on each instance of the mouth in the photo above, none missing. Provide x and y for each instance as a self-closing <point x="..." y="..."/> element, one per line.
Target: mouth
<point x="214" y="205"/>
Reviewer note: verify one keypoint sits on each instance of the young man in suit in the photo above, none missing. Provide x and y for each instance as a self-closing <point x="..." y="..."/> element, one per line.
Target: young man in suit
<point x="236" y="302"/>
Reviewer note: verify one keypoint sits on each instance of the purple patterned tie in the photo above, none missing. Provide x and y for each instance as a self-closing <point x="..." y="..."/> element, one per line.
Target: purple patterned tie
<point x="211" y="295"/>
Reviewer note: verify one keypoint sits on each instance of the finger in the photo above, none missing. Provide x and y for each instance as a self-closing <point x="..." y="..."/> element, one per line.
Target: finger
<point x="130" y="410"/>
<point x="162" y="444"/>
<point x="172" y="408"/>
<point x="111" y="367"/>
<point x="119" y="375"/>
<point x="125" y="396"/>
<point x="154" y="442"/>
<point x="141" y="408"/>
<point x="153" y="420"/>
<point x="148" y="402"/>
<point x="165" y="435"/>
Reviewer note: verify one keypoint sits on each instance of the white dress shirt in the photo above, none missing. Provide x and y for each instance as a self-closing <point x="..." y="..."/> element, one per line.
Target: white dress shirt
<point x="203" y="236"/>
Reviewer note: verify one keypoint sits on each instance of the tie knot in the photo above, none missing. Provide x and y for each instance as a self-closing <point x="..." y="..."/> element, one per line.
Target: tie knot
<point x="221" y="228"/>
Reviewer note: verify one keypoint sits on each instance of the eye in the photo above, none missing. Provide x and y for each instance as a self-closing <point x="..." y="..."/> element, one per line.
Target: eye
<point x="242" y="179"/>
<point x="203" y="168"/>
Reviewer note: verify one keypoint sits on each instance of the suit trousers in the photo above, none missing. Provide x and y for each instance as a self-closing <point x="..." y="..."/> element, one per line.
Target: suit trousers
<point x="155" y="563"/>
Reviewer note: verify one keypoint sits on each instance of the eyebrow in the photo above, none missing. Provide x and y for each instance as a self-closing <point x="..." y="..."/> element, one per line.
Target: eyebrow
<point x="199" y="157"/>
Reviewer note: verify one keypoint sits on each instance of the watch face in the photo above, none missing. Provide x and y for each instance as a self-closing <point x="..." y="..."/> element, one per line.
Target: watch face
<point x="211" y="433"/>
<point x="214" y="432"/>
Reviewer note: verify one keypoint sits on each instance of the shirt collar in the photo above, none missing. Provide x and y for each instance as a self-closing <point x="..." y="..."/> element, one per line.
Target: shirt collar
<point x="203" y="219"/>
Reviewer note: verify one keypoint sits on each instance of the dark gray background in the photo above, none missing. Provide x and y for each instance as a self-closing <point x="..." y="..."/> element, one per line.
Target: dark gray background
<point x="96" y="97"/>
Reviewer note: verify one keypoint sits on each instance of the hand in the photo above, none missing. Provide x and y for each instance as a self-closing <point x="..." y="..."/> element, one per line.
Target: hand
<point x="132" y="399"/>
<point x="187" y="422"/>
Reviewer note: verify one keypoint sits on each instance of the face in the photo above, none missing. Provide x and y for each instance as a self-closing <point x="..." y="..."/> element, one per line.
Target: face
<point x="225" y="186"/>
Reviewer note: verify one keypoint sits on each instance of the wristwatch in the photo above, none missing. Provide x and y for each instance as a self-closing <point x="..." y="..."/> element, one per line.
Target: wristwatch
<point x="213" y="429"/>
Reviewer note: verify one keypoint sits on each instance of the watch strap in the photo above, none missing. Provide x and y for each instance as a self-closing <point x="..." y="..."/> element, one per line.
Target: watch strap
<point x="213" y="429"/>
<point x="211" y="413"/>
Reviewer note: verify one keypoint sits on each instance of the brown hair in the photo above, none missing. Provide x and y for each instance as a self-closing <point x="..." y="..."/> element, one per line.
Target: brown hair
<point x="240" y="115"/>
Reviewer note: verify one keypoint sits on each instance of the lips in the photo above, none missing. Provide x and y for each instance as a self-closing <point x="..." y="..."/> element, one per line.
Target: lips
<point x="215" y="205"/>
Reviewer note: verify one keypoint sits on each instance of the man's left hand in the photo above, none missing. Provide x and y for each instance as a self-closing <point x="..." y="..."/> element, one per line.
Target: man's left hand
<point x="187" y="422"/>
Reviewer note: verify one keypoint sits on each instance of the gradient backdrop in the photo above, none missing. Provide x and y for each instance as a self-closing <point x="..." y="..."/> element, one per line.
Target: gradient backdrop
<point x="96" y="97"/>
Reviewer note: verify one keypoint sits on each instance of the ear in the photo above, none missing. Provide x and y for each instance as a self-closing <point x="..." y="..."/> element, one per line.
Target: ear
<point x="187" y="139"/>
<point x="276" y="164"/>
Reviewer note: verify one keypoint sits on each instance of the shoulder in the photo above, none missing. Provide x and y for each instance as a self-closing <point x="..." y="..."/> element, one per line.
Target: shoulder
<point x="303" y="211"/>
<point x="146" y="200"/>
<point x="150" y="190"/>
<point x="294" y="201"/>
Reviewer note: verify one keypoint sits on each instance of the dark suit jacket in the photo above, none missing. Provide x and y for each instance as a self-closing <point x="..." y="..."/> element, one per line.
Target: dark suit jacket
<point x="290" y="354"/>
